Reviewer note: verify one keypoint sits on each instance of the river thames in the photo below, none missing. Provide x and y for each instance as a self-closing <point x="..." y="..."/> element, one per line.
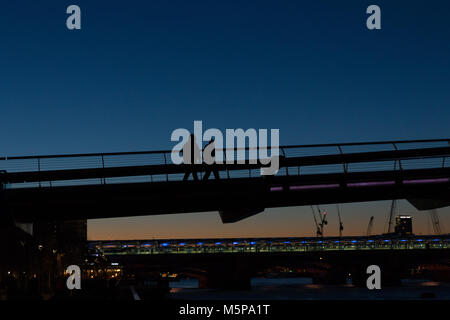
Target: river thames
<point x="304" y="289"/>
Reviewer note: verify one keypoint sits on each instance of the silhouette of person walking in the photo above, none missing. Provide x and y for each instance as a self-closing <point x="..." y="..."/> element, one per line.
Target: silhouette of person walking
<point x="210" y="159"/>
<point x="191" y="156"/>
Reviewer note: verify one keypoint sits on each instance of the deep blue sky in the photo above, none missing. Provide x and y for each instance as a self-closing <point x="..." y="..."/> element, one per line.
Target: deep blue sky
<point x="139" y="69"/>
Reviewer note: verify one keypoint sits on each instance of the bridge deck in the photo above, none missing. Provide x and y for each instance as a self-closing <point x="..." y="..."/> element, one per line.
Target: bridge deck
<point x="154" y="166"/>
<point x="89" y="186"/>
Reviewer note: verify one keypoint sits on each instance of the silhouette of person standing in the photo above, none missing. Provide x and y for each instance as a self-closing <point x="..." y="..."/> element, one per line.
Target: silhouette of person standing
<point x="210" y="152"/>
<point x="191" y="156"/>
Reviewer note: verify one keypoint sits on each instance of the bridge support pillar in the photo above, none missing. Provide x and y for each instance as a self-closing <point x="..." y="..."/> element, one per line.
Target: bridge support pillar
<point x="390" y="275"/>
<point x="336" y="275"/>
<point x="228" y="277"/>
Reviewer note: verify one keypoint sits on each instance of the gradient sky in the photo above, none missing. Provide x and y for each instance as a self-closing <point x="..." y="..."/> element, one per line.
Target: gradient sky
<point x="138" y="70"/>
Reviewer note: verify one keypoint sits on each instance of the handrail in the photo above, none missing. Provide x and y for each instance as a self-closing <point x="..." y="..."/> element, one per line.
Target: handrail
<point x="125" y="171"/>
<point x="80" y="155"/>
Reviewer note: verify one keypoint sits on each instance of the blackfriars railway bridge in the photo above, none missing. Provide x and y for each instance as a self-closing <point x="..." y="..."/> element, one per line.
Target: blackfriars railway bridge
<point x="230" y="263"/>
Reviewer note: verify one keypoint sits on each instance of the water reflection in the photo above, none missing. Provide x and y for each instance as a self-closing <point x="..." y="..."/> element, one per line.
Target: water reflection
<point x="304" y="289"/>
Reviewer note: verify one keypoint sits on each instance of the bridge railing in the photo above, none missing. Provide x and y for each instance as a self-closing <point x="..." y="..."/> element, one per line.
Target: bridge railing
<point x="154" y="166"/>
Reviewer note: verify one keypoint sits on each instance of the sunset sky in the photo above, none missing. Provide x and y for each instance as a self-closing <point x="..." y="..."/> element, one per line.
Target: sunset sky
<point x="137" y="70"/>
<point x="283" y="222"/>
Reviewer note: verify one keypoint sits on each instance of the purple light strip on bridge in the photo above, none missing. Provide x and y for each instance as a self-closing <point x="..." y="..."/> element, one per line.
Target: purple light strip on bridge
<point x="371" y="184"/>
<point x="420" y="181"/>
<point x="361" y="184"/>
<point x="314" y="186"/>
<point x="272" y="189"/>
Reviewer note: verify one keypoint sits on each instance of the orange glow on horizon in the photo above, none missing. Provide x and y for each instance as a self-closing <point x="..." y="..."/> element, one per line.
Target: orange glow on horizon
<point x="280" y="222"/>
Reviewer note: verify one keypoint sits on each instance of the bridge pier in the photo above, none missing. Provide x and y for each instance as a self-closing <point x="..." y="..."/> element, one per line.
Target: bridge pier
<point x="336" y="275"/>
<point x="228" y="277"/>
<point x="390" y="275"/>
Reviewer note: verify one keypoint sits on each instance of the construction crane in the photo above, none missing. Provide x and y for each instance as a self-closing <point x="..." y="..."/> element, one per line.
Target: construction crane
<point x="435" y="221"/>
<point x="318" y="231"/>
<point x="341" y="226"/>
<point x="320" y="222"/>
<point x="369" y="227"/>
<point x="391" y="215"/>
<point x="323" y="220"/>
<point x="394" y="202"/>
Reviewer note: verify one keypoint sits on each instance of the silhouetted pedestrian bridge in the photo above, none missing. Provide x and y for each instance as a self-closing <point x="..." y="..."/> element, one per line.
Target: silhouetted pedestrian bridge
<point x="87" y="186"/>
